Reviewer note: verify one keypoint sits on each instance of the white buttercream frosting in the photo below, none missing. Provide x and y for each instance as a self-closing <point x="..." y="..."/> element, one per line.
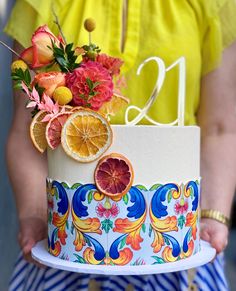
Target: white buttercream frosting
<point x="158" y="154"/>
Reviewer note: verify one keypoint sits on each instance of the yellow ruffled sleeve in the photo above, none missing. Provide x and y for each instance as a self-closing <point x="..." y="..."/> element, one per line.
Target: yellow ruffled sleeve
<point x="28" y="15"/>
<point x="219" y="32"/>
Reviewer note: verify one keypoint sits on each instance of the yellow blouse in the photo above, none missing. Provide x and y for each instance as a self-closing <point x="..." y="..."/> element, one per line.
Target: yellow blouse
<point x="196" y="29"/>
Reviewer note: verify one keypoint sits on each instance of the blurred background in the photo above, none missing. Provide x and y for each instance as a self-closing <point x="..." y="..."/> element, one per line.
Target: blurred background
<point x="8" y="226"/>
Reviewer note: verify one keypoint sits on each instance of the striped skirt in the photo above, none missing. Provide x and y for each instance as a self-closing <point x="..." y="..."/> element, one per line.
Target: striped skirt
<point x="28" y="277"/>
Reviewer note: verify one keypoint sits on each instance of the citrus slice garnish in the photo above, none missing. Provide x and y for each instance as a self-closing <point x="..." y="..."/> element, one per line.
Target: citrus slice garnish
<point x="54" y="127"/>
<point x="116" y="103"/>
<point x="77" y="108"/>
<point x="37" y="131"/>
<point x="114" y="175"/>
<point x="86" y="135"/>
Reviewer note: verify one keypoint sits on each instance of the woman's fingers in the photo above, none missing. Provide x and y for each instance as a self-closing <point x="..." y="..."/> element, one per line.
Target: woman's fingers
<point x="215" y="233"/>
<point x="32" y="230"/>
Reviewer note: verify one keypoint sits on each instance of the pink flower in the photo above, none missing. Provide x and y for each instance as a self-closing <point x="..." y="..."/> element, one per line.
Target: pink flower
<point x="33" y="96"/>
<point x="107" y="213"/>
<point x="111" y="64"/>
<point x="40" y="53"/>
<point x="48" y="105"/>
<point x="49" y="81"/>
<point x="90" y="84"/>
<point x="180" y="209"/>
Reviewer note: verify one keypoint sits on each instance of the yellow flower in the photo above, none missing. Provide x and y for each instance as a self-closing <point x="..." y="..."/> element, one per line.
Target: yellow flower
<point x="19" y="64"/>
<point x="62" y="95"/>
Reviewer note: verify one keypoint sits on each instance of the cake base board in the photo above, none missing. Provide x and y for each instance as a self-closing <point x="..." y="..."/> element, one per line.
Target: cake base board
<point x="40" y="254"/>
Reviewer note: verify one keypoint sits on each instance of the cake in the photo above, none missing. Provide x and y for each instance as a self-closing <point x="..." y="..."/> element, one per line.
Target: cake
<point x="156" y="222"/>
<point x="117" y="194"/>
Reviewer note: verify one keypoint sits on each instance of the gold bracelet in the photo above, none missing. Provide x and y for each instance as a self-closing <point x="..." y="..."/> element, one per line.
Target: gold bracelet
<point x="216" y="215"/>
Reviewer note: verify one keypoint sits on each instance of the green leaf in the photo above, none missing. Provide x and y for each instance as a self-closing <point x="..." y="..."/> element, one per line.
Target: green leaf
<point x="17" y="86"/>
<point x="90" y="196"/>
<point x="95" y="84"/>
<point x="27" y="77"/>
<point x="75" y="186"/>
<point x="50" y="217"/>
<point x="88" y="241"/>
<point x="125" y="198"/>
<point x="155" y="187"/>
<point x="122" y="243"/>
<point x="181" y="221"/>
<point x="89" y="83"/>
<point x="72" y="228"/>
<point x="64" y="184"/>
<point x="169" y="197"/>
<point x="141" y="187"/>
<point x="69" y="48"/>
<point x="79" y="259"/>
<point x="67" y="225"/>
<point x="56" y="234"/>
<point x="39" y="89"/>
<point x="191" y="193"/>
<point x="144" y="227"/>
<point x="158" y="260"/>
<point x="107" y="224"/>
<point x="150" y="230"/>
<point x="166" y="240"/>
<point x="56" y="194"/>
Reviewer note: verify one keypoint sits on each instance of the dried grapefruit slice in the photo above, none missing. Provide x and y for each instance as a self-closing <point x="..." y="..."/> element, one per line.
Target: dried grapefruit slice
<point x="37" y="131"/>
<point x="114" y="175"/>
<point x="116" y="103"/>
<point x="54" y="127"/>
<point x="86" y="135"/>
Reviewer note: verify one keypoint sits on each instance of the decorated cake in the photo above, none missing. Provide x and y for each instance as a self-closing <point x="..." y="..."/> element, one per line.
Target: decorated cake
<point x="117" y="194"/>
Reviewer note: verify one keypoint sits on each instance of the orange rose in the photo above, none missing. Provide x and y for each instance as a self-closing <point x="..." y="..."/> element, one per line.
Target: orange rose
<point x="49" y="81"/>
<point x="40" y="54"/>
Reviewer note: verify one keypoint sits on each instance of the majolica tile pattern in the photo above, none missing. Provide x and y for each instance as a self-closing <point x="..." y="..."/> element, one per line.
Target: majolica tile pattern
<point x="146" y="226"/>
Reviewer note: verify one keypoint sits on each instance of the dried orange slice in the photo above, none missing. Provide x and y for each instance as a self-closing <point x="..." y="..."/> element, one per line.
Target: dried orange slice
<point x="86" y="135"/>
<point x="37" y="131"/>
<point x="77" y="108"/>
<point x="116" y="103"/>
<point x="54" y="127"/>
<point x="114" y="175"/>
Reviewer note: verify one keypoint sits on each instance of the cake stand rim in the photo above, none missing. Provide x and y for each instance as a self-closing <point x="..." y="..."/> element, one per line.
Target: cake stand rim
<point x="205" y="255"/>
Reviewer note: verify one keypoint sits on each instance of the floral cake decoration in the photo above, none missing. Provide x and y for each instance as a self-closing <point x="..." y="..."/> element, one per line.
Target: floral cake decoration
<point x="72" y="92"/>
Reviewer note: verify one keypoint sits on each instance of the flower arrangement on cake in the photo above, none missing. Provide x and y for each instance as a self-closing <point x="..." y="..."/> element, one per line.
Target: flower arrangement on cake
<point x="72" y="94"/>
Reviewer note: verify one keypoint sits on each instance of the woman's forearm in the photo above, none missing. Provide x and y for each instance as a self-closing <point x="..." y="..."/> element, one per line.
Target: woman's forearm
<point x="27" y="171"/>
<point x="218" y="169"/>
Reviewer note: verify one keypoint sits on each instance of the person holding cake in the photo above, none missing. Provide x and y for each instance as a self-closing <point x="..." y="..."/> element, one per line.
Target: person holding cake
<point x="204" y="33"/>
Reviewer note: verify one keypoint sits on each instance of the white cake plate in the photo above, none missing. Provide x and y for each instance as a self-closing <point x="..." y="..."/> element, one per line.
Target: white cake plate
<point x="40" y="254"/>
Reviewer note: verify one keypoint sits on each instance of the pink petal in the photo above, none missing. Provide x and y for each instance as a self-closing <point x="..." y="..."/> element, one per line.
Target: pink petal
<point x="31" y="104"/>
<point x="47" y="118"/>
<point x="25" y="88"/>
<point x="35" y="95"/>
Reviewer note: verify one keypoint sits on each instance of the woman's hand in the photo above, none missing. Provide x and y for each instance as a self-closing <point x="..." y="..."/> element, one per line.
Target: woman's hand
<point x="32" y="230"/>
<point x="217" y="119"/>
<point x="215" y="233"/>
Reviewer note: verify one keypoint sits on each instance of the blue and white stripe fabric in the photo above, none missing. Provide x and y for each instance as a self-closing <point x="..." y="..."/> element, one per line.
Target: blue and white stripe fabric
<point x="28" y="277"/>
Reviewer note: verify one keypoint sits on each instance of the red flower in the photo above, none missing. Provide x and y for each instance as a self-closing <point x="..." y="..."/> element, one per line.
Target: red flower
<point x="111" y="64"/>
<point x="90" y="84"/>
<point x="107" y="213"/>
<point x="181" y="208"/>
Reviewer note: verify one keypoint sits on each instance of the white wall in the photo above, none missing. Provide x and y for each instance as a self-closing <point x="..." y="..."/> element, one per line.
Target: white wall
<point x="8" y="222"/>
